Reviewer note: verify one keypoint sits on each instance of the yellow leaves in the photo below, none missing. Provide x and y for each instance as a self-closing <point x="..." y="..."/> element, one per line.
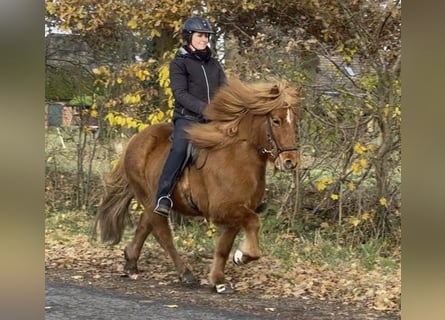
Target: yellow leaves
<point x="189" y="242"/>
<point x="358" y="165"/>
<point x="163" y="75"/>
<point x="354" y="221"/>
<point x="170" y="100"/>
<point x="164" y="81"/>
<point x="355" y="167"/>
<point x="124" y="121"/>
<point x="132" y="98"/>
<point x="363" y="162"/>
<point x="340" y="48"/>
<point x="155" y="33"/>
<point x="211" y="231"/>
<point x="65" y="27"/>
<point x="132" y="123"/>
<point x="369" y="105"/>
<point x="248" y="5"/>
<point x="50" y="7"/>
<point x="177" y="25"/>
<point x="392" y="111"/>
<point x="157" y="117"/>
<point x="132" y="24"/>
<point x="386" y="110"/>
<point x="348" y="54"/>
<point x="351" y="186"/>
<point x="134" y="205"/>
<point x="321" y="184"/>
<point x="372" y="147"/>
<point x="383" y="202"/>
<point x="359" y="148"/>
<point x="397" y="113"/>
<point x="102" y="71"/>
<point x="142" y="126"/>
<point x="134" y="73"/>
<point x="114" y="163"/>
<point x="334" y="196"/>
<point x="142" y="74"/>
<point x="366" y="216"/>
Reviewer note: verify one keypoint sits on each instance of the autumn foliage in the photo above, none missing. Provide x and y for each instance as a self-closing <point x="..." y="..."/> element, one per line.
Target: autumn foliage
<point x="346" y="56"/>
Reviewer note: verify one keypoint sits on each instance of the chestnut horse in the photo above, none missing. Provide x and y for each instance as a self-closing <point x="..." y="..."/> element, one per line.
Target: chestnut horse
<point x="249" y="125"/>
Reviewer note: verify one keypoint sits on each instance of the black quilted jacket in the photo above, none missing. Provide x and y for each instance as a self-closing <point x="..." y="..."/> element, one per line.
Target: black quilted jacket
<point x="194" y="82"/>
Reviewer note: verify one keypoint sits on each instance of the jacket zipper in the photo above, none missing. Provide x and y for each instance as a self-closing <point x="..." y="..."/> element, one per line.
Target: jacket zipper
<point x="207" y="83"/>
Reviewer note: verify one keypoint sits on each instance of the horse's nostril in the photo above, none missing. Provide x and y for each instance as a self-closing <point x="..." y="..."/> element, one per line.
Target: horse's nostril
<point x="289" y="164"/>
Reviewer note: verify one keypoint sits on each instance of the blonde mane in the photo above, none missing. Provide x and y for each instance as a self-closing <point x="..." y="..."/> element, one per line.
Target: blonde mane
<point x="235" y="101"/>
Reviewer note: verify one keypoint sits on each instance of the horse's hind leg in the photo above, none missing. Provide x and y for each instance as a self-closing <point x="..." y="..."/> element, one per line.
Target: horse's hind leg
<point x="222" y="250"/>
<point x="133" y="250"/>
<point x="163" y="235"/>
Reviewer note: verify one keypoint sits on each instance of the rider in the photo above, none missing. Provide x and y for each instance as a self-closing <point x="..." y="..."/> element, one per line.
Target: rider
<point x="195" y="77"/>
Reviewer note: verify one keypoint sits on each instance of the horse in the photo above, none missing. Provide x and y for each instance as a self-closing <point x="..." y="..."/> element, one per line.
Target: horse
<point x="248" y="126"/>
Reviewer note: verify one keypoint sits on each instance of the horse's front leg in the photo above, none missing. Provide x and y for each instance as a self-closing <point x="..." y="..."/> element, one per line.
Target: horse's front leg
<point x="223" y="247"/>
<point x="249" y="249"/>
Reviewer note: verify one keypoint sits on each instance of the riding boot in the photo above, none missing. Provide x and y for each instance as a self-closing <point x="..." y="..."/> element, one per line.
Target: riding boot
<point x="172" y="169"/>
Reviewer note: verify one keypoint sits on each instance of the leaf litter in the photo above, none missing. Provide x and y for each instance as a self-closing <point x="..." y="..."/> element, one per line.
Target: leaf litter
<point x="267" y="278"/>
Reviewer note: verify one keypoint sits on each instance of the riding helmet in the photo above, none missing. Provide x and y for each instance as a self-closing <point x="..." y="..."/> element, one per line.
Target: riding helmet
<point x="195" y="24"/>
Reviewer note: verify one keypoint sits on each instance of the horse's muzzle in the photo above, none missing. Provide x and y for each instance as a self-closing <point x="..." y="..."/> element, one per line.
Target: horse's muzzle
<point x="286" y="163"/>
<point x="289" y="164"/>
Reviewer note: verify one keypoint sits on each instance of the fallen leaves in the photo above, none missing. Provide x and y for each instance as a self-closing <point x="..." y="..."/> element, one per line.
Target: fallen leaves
<point x="377" y="289"/>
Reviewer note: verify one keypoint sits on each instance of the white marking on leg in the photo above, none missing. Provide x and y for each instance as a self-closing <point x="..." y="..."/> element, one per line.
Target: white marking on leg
<point x="224" y="288"/>
<point x="220" y="288"/>
<point x="238" y="257"/>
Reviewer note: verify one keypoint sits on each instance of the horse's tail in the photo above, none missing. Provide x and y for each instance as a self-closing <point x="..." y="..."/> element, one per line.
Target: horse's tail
<point x="113" y="214"/>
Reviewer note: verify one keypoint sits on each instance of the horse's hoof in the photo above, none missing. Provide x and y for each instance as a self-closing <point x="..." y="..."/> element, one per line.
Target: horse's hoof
<point x="189" y="280"/>
<point x="238" y="258"/>
<point x="133" y="276"/>
<point x="224" y="288"/>
<point x="132" y="273"/>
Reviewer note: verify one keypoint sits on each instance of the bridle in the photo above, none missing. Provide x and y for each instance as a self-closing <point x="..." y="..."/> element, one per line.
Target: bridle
<point x="273" y="141"/>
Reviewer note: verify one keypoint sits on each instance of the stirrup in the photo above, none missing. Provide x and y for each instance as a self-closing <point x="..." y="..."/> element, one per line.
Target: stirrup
<point x="163" y="209"/>
<point x="165" y="197"/>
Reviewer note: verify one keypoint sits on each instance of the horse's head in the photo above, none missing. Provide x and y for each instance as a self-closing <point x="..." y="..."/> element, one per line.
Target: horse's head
<point x="281" y="127"/>
<point x="240" y="111"/>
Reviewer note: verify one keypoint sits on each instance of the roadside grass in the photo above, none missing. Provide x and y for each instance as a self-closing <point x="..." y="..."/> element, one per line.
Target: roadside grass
<point x="197" y="236"/>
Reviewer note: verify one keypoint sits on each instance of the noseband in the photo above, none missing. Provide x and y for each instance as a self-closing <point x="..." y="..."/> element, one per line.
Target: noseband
<point x="273" y="141"/>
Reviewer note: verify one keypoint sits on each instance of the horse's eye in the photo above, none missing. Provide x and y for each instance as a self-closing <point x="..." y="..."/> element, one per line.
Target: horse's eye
<point x="276" y="121"/>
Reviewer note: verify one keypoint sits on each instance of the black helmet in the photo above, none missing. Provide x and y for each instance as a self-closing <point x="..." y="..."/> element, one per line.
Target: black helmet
<point x="195" y="24"/>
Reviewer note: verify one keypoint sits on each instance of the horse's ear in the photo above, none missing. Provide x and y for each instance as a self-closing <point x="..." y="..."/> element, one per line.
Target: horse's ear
<point x="275" y="90"/>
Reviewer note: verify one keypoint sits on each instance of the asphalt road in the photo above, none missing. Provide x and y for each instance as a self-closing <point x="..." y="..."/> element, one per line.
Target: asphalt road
<point x="68" y="301"/>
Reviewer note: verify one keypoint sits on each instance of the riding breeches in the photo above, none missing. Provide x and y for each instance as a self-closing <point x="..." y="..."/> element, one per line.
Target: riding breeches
<point x="176" y="157"/>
